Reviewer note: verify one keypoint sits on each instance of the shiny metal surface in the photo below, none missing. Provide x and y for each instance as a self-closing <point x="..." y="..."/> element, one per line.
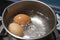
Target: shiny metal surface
<point x="41" y="15"/>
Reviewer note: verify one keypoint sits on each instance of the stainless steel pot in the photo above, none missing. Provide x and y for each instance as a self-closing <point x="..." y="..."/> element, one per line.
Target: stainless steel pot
<point x="35" y="9"/>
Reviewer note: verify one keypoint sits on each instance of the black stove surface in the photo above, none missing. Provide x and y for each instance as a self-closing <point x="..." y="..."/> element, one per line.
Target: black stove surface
<point x="4" y="4"/>
<point x="3" y="35"/>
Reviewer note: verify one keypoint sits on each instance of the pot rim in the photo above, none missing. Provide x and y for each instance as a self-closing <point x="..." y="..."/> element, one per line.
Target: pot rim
<point x="28" y="38"/>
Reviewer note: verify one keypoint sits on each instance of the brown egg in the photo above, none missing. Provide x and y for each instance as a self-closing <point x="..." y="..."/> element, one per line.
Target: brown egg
<point x="22" y="19"/>
<point x="16" y="29"/>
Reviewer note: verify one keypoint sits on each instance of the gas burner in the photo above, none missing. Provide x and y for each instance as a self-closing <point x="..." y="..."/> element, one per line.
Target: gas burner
<point x="58" y="18"/>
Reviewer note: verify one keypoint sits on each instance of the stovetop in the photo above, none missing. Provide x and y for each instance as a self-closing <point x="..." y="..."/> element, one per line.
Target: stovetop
<point x="53" y="36"/>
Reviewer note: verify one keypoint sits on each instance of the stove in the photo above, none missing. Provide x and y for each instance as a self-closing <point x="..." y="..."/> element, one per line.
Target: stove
<point x="53" y="36"/>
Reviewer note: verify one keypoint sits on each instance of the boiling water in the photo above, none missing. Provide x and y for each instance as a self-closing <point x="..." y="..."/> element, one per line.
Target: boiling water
<point x="35" y="29"/>
<point x="34" y="32"/>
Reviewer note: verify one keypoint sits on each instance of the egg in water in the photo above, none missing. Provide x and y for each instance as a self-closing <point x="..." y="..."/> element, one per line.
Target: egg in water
<point x="16" y="29"/>
<point x="22" y="19"/>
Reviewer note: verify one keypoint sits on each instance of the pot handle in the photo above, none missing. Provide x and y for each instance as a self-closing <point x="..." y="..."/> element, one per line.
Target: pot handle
<point x="1" y="28"/>
<point x="2" y="31"/>
<point x="0" y="18"/>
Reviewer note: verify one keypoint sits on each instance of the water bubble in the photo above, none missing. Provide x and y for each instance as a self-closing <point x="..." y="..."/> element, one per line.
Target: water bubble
<point x="33" y="31"/>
